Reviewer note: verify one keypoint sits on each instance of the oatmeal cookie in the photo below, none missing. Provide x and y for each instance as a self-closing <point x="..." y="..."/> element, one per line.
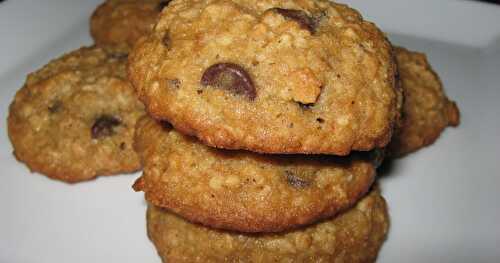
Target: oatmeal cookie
<point x="245" y="191"/>
<point x="118" y="24"/>
<point x="354" y="236"/>
<point x="74" y="119"/>
<point x="269" y="76"/>
<point x="427" y="111"/>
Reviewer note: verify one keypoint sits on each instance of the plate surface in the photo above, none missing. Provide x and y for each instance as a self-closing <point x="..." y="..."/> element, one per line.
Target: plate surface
<point x="442" y="199"/>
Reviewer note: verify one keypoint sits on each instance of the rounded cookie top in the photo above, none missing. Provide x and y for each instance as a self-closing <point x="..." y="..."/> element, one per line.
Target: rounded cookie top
<point x="427" y="111"/>
<point x="269" y="76"/>
<point x="118" y="24"/>
<point x="354" y="236"/>
<point x="74" y="119"/>
<point x="245" y="191"/>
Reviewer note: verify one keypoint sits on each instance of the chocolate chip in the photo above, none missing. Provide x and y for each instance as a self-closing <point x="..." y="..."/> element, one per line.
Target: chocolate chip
<point x="163" y="4"/>
<point x="166" y="40"/>
<point x="304" y="20"/>
<point x="305" y="106"/>
<point x="296" y="181"/>
<point x="165" y="125"/>
<point x="55" y="107"/>
<point x="103" y="126"/>
<point x="320" y="120"/>
<point x="118" y="55"/>
<point x="231" y="77"/>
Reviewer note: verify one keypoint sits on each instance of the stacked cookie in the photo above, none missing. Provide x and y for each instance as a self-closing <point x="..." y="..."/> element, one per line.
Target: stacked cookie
<point x="266" y="125"/>
<point x="266" y="121"/>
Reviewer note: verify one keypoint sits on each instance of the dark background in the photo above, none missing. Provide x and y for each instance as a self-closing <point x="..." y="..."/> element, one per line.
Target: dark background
<point x="491" y="1"/>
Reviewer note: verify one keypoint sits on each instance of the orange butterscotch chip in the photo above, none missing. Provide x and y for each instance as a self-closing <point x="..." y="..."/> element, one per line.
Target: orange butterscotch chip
<point x="304" y="86"/>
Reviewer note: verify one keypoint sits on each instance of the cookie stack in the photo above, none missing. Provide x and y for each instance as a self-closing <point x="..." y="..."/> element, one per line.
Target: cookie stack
<point x="266" y="125"/>
<point x="261" y="126"/>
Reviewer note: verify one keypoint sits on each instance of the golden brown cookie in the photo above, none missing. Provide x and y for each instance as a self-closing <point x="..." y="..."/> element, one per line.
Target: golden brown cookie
<point x="354" y="236"/>
<point x="118" y="24"/>
<point x="74" y="119"/>
<point x="426" y="111"/>
<point x="245" y="191"/>
<point x="291" y="76"/>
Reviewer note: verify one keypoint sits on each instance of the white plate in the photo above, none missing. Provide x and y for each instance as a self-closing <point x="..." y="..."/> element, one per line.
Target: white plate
<point x="442" y="199"/>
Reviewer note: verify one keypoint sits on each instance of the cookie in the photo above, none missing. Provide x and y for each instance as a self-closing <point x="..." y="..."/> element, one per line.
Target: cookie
<point x="354" y="236"/>
<point x="245" y="191"/>
<point x="74" y="119"/>
<point x="269" y="76"/>
<point x="118" y="24"/>
<point x="427" y="111"/>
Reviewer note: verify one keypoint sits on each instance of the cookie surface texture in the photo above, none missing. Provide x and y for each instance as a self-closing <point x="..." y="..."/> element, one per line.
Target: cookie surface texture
<point x="74" y="119"/>
<point x="118" y="24"/>
<point x="269" y="76"/>
<point x="427" y="111"/>
<point x="354" y="236"/>
<point x="245" y="191"/>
